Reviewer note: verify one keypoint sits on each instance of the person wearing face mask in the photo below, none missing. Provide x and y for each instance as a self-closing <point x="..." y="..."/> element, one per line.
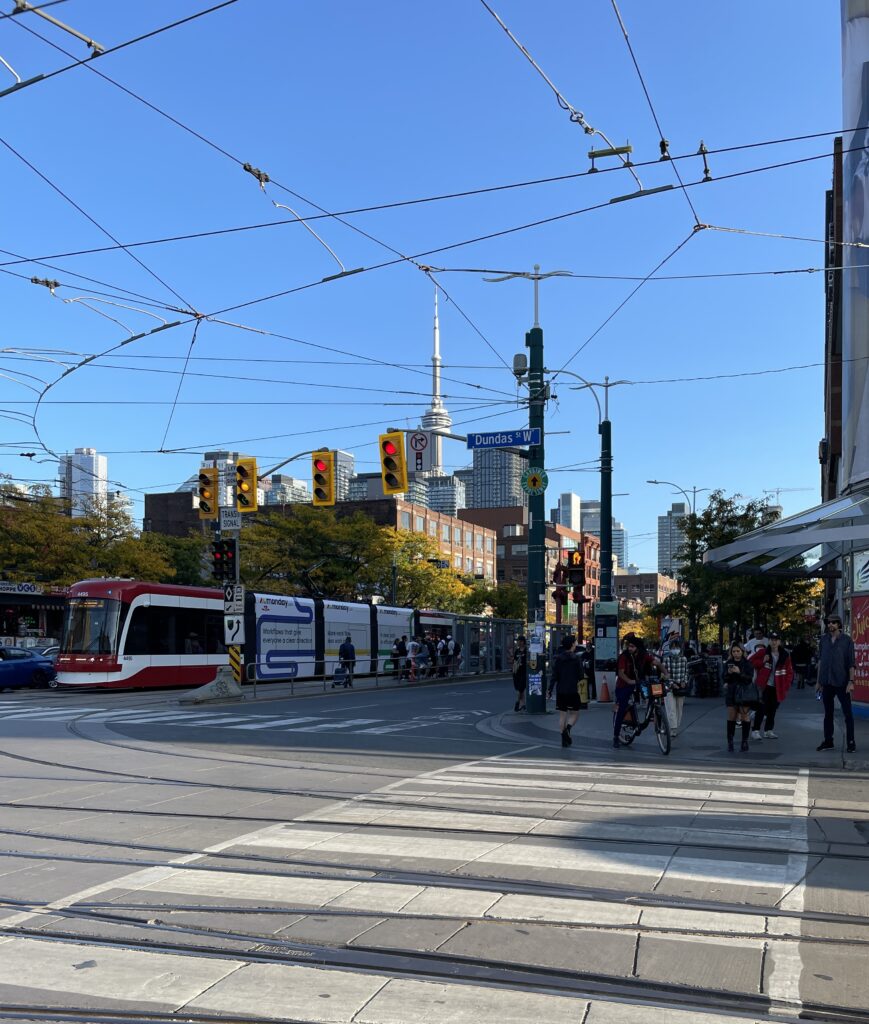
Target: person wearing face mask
<point x="836" y="669"/>
<point x="774" y="675"/>
<point x="738" y="676"/>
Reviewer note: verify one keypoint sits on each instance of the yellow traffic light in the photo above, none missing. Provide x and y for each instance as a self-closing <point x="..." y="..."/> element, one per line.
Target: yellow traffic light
<point x="246" y="485"/>
<point x="393" y="462"/>
<point x="323" y="477"/>
<point x="207" y="490"/>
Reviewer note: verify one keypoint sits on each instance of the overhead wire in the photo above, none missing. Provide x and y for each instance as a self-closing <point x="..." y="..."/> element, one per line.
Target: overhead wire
<point x="576" y="116"/>
<point x="664" y="143"/>
<point x="93" y="221"/>
<point x="85" y="62"/>
<point x="271" y="180"/>
<point x="180" y="383"/>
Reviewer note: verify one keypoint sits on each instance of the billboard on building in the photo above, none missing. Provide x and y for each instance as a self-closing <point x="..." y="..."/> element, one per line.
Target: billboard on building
<point x="855" y="291"/>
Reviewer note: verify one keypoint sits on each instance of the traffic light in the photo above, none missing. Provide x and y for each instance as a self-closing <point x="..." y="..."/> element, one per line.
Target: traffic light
<point x="393" y="462"/>
<point x="577" y="595"/>
<point x="224" y="556"/>
<point x="576" y="568"/>
<point x="246" y="485"/>
<point x="559" y="577"/>
<point x="208" y="504"/>
<point x="323" y="478"/>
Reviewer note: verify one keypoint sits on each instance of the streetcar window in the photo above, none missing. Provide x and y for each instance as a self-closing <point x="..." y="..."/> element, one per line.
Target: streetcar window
<point x="91" y="626"/>
<point x="163" y="630"/>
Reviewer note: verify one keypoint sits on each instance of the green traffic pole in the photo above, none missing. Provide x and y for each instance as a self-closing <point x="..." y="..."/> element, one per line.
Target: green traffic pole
<point x="535" y="701"/>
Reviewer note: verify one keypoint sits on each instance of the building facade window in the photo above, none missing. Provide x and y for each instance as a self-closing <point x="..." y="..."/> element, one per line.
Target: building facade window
<point x="419" y="524"/>
<point x="445" y="532"/>
<point x="520" y="549"/>
<point x="457" y="535"/>
<point x="432" y="528"/>
<point x="469" y="539"/>
<point x="405" y="520"/>
<point x="490" y="544"/>
<point x="479" y="541"/>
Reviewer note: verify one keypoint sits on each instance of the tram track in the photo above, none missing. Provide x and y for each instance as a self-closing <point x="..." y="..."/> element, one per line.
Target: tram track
<point x="492" y="973"/>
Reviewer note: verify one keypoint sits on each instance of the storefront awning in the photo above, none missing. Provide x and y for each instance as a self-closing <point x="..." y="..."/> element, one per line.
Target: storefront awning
<point x="836" y="528"/>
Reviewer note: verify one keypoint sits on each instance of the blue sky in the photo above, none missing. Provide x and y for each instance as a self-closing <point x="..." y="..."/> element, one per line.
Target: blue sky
<point x="351" y="105"/>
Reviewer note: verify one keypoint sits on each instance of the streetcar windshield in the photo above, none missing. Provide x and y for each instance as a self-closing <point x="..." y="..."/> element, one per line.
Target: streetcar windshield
<point x="91" y="626"/>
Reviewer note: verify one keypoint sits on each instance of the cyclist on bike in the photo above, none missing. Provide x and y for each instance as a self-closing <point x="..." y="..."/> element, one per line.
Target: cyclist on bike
<point x="634" y="666"/>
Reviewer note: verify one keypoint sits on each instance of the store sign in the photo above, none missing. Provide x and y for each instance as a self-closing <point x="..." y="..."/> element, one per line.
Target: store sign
<point x="860" y="636"/>
<point x="20" y="588"/>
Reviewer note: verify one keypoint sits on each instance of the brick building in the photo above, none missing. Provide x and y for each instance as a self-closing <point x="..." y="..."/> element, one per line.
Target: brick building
<point x="649" y="587"/>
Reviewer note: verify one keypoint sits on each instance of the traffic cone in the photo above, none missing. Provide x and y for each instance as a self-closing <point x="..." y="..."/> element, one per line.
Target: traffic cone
<point x="603" y="692"/>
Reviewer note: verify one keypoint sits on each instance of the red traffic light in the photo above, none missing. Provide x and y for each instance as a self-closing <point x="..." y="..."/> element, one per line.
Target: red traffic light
<point x="389" y="448"/>
<point x="320" y="465"/>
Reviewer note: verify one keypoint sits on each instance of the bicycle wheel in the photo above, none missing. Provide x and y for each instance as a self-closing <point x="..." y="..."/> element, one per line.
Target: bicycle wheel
<point x="662" y="729"/>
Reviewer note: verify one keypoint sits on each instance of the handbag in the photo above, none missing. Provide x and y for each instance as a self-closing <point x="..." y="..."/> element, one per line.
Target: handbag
<point x="747" y="695"/>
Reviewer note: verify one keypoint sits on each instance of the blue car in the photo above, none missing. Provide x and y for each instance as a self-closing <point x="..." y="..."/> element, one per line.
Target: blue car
<point x="20" y="667"/>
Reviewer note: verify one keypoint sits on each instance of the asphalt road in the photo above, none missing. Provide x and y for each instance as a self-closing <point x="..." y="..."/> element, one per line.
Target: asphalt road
<point x="421" y="855"/>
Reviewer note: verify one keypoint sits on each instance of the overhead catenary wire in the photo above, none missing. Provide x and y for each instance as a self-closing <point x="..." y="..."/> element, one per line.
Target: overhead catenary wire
<point x="92" y="220"/>
<point x="576" y="116"/>
<point x="111" y="49"/>
<point x="298" y="218"/>
<point x="664" y="143"/>
<point x="476" y="239"/>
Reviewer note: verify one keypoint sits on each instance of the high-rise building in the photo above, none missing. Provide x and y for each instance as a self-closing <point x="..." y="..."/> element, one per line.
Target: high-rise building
<point x="671" y="539"/>
<point x="496" y="479"/>
<point x="369" y="487"/>
<point x="345" y="467"/>
<point x="446" y="494"/>
<point x="590" y="523"/>
<point x="281" y="489"/>
<point x="83" y="479"/>
<point x="569" y="511"/>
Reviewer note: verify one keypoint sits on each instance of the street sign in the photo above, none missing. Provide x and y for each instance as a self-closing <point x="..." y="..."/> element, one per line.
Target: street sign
<point x="233" y="599"/>
<point x="534" y="481"/>
<point x="505" y="438"/>
<point x="233" y="630"/>
<point x="420" y="451"/>
<point x="230" y="519"/>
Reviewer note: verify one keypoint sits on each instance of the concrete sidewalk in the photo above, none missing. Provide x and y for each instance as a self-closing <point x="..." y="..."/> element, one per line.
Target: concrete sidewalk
<point x="702" y="733"/>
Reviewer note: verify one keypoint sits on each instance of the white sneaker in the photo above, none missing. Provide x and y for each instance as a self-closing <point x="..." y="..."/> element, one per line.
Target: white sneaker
<point x="770" y="735"/>
<point x="755" y="735"/>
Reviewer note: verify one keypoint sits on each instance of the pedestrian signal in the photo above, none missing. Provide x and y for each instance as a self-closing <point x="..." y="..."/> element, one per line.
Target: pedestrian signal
<point x="246" y="485"/>
<point x="393" y="462"/>
<point x="224" y="557"/>
<point x="576" y="568"/>
<point x="207" y="489"/>
<point x="323" y="478"/>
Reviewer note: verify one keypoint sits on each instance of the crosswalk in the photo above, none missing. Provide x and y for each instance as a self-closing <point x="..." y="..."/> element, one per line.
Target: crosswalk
<point x="241" y="722"/>
<point x="666" y="876"/>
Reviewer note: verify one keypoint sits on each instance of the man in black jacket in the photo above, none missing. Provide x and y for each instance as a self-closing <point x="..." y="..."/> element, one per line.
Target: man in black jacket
<point x="347" y="657"/>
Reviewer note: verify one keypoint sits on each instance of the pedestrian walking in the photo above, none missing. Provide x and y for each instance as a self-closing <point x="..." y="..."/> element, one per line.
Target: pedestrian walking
<point x="676" y="666"/>
<point x="432" y="649"/>
<point x="774" y="673"/>
<point x="588" y="665"/>
<point x="740" y="694"/>
<point x="757" y="639"/>
<point x="347" y="658"/>
<point x="633" y="667"/>
<point x="520" y="672"/>
<point x="801" y="657"/>
<point x="566" y="676"/>
<point x="836" y="669"/>
<point x="395" y="657"/>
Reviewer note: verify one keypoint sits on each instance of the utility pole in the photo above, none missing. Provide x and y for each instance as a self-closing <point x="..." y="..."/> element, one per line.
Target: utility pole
<point x="538" y="392"/>
<point x="606" y="500"/>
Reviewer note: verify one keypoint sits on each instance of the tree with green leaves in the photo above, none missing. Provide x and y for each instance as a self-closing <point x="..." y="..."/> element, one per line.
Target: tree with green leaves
<point x="727" y="599"/>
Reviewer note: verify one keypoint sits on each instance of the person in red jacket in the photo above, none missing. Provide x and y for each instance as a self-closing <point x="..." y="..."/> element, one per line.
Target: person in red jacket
<point x="775" y="673"/>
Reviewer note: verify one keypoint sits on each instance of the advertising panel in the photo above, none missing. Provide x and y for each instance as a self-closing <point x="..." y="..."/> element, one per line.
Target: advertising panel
<point x="860" y="562"/>
<point x="855" y="284"/>
<point x="860" y="636"/>
<point x="341" y="620"/>
<point x="285" y="637"/>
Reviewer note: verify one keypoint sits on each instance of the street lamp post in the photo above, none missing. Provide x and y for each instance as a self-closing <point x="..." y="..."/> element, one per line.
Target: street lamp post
<point x="537" y="398"/>
<point x="692" y="502"/>
<point x="604" y="428"/>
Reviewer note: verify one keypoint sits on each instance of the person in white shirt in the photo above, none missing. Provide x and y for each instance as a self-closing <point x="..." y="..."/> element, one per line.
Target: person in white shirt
<point x="758" y="639"/>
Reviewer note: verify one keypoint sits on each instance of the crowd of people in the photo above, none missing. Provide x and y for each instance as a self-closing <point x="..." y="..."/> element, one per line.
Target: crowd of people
<point x="757" y="676"/>
<point x="425" y="657"/>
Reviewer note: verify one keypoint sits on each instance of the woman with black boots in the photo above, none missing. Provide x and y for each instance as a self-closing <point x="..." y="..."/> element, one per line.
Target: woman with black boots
<point x="566" y="675"/>
<point x="738" y="673"/>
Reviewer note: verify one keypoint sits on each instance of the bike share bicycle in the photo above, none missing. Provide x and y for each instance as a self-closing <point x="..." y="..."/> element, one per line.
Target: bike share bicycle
<point x="646" y="708"/>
